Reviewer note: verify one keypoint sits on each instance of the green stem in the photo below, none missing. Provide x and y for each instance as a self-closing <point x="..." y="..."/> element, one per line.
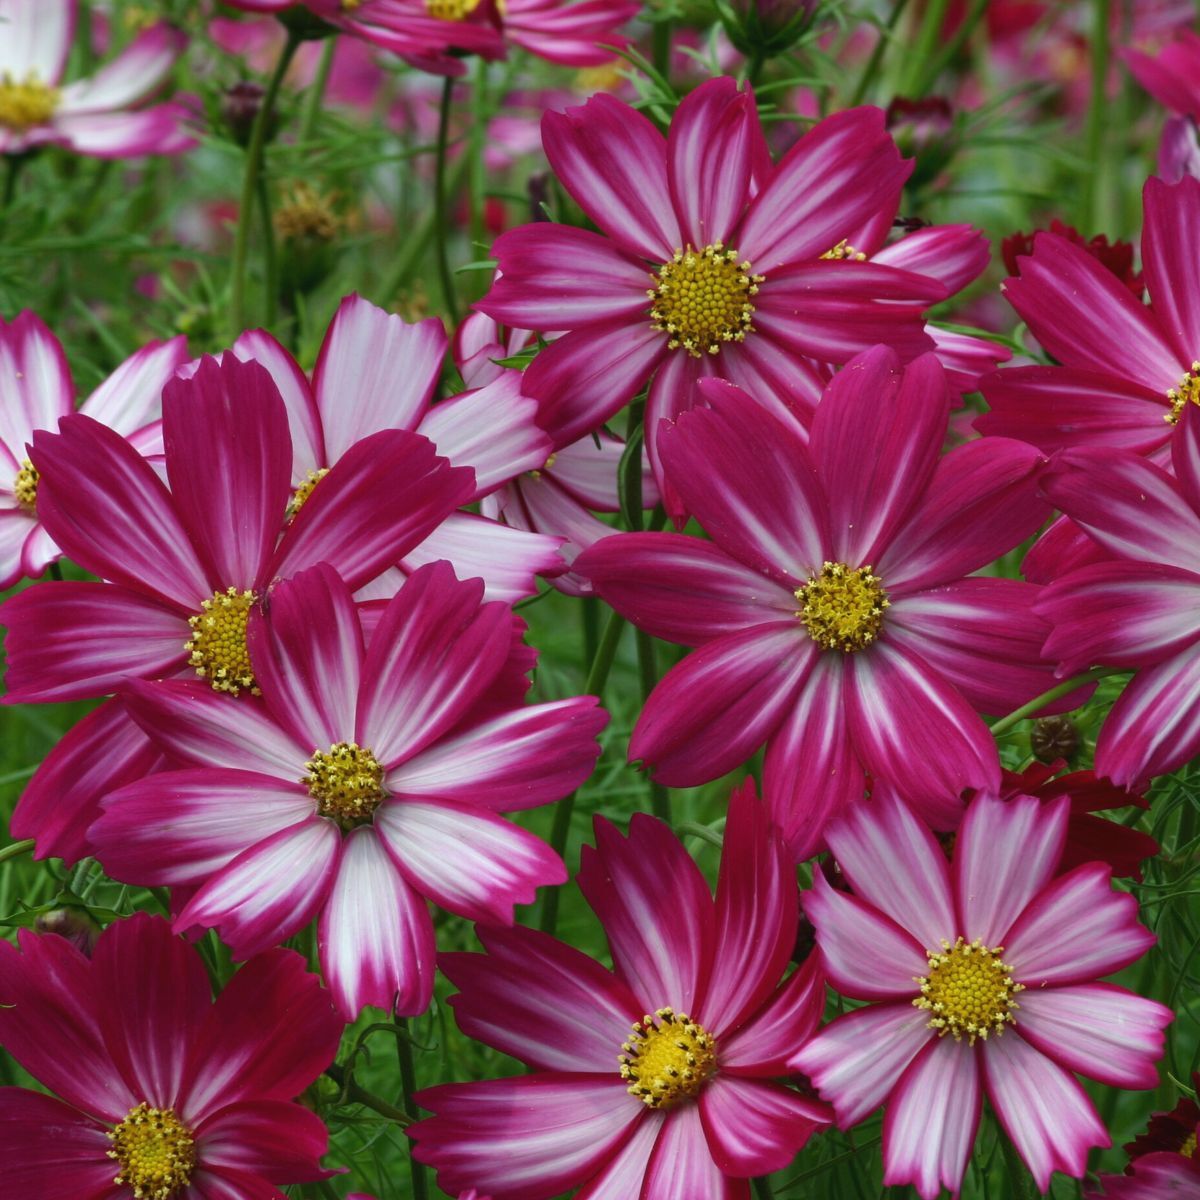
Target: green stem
<point x="441" y="202"/>
<point x="316" y="93"/>
<point x="762" y="1188"/>
<point x="1062" y="689"/>
<point x="12" y="173"/>
<point x="754" y="67"/>
<point x="408" y="1086"/>
<point x="661" y="48"/>
<point x="16" y="849"/>
<point x="945" y="56"/>
<point x="1020" y="1181"/>
<point x="1099" y="128"/>
<point x="270" y="251"/>
<point x="660" y="797"/>
<point x="923" y="48"/>
<point x="478" y="136"/>
<point x="254" y="164"/>
<point x="872" y="68"/>
<point x="359" y="1095"/>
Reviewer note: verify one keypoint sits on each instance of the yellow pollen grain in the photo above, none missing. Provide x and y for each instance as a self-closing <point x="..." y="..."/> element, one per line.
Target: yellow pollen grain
<point x="667" y="1058"/>
<point x="842" y="607"/>
<point x="27" y="103"/>
<point x="702" y="299"/>
<point x="451" y="10"/>
<point x="347" y="783"/>
<point x="302" y="493"/>
<point x="155" y="1151"/>
<point x="969" y="990"/>
<point x="1188" y="392"/>
<point x="1188" y="1149"/>
<point x="844" y="252"/>
<point x="217" y="648"/>
<point x="25" y="486"/>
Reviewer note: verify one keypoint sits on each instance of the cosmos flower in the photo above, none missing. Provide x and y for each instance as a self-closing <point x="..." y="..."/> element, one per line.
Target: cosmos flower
<point x="367" y="779"/>
<point x="1171" y="74"/>
<point x="164" y="1092"/>
<point x="88" y="116"/>
<point x="36" y="384"/>
<point x="180" y="569"/>
<point x="980" y="979"/>
<point x="835" y="611"/>
<point x="681" y="1108"/>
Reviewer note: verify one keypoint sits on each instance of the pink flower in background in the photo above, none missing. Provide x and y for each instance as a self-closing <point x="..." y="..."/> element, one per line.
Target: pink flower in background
<point x="835" y="611"/>
<point x="37" y="389"/>
<point x="367" y="779"/>
<point x="1179" y="150"/>
<point x="683" y="1107"/>
<point x="575" y="33"/>
<point x="89" y="116"/>
<point x="999" y="953"/>
<point x="1172" y="75"/>
<point x="1154" y="1177"/>
<point x="163" y="1091"/>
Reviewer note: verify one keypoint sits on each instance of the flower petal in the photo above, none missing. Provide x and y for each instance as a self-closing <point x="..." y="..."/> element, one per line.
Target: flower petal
<point x="765" y="1044"/>
<point x="137" y="70"/>
<point x="131" y="397"/>
<point x="36" y="39"/>
<point x="754" y="1127"/>
<point x="34" y="378"/>
<point x="681" y="1166"/>
<point x="157" y="130"/>
<point x="274" y="1139"/>
<point x="50" y="1150"/>
<point x="1169" y="242"/>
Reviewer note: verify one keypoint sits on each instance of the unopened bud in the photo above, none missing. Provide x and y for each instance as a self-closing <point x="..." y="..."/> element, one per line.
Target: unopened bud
<point x="239" y="107"/>
<point x="74" y="924"/>
<point x="766" y="28"/>
<point x="1054" y="738"/>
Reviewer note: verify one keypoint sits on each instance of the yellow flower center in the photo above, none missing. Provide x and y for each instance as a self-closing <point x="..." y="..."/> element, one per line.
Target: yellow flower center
<point x="969" y="990"/>
<point x="25" y="486"/>
<point x="451" y="10"/>
<point x="217" y="648"/>
<point x="155" y="1151"/>
<point x="667" y="1058"/>
<point x="843" y="251"/>
<point x="24" y="105"/>
<point x="306" y="213"/>
<point x="347" y="783"/>
<point x="302" y="493"/>
<point x="701" y="299"/>
<point x="1188" y="1149"/>
<point x="1188" y="392"/>
<point x="842" y="607"/>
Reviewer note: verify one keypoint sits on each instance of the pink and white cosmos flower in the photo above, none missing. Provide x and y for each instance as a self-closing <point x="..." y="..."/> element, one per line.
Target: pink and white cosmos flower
<point x="163" y="1091"/>
<point x="835" y="611"/>
<point x="980" y="979"/>
<point x="684" y="1108"/>
<point x="36" y="384"/>
<point x="88" y="116"/>
<point x="370" y="777"/>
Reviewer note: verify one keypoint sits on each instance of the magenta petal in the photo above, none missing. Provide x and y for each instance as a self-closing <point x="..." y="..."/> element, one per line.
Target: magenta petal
<point x="955" y="255"/>
<point x="681" y="1166"/>
<point x="765" y="1044"/>
<point x="1075" y="929"/>
<point x="932" y="1117"/>
<point x="50" y="1151"/>
<point x="1185" y="455"/>
<point x="275" y="1139"/>
<point x="228" y="423"/>
<point x="856" y="1060"/>
<point x="541" y="1001"/>
<point x="269" y="891"/>
<point x="1169" y="242"/>
<point x="526" y="1138"/>
<point x="104" y="751"/>
<point x="622" y="1176"/>
<point x="1043" y="1110"/>
<point x="663" y="955"/>
<point x="754" y="1127"/>
<point x="375" y="934"/>
<point x="225" y="1184"/>
<point x="710" y="712"/>
<point x="1098" y="1030"/>
<point x="149" y="1029"/>
<point x="681" y="589"/>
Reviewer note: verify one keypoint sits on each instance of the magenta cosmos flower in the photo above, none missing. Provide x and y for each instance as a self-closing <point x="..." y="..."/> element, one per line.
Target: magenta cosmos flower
<point x="163" y="1092"/>
<point x="983" y="977"/>
<point x="88" y="116"/>
<point x="1141" y="609"/>
<point x="1152" y="1177"/>
<point x="367" y="779"/>
<point x="36" y="384"/>
<point x="654" y="1079"/>
<point x="181" y="568"/>
<point x="375" y="371"/>
<point x="710" y="261"/>
<point x="835" y="611"/>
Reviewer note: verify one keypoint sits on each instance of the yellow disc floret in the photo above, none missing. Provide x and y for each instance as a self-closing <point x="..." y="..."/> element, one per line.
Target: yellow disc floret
<point x="306" y="214"/>
<point x="842" y="607"/>
<point x="1188" y="1149"/>
<point x="1188" y="392"/>
<point x="25" y="486"/>
<point x="155" y="1151"/>
<point x="26" y="104"/>
<point x="451" y="10"/>
<point x="347" y="783"/>
<point x="702" y="299"/>
<point x="969" y="990"/>
<point x="667" y="1058"/>
<point x="302" y="493"/>
<point x="217" y="648"/>
<point x="844" y="252"/>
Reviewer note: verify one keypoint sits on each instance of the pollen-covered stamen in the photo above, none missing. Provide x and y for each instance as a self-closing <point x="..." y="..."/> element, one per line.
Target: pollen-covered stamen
<point x="451" y="10"/>
<point x="842" y="607"/>
<point x="302" y="493"/>
<point x="1188" y="392"/>
<point x="156" y="1152"/>
<point x="844" y="252"/>
<point x="1188" y="1149"/>
<point x="969" y="990"/>
<point x="347" y="783"/>
<point x="667" y="1058"/>
<point x="27" y="103"/>
<point x="217" y="648"/>
<point x="702" y="299"/>
<point x="25" y="486"/>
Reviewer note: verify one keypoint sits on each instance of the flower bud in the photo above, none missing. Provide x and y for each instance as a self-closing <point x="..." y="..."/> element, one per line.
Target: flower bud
<point x="1054" y="738"/>
<point x="239" y="107"/>
<point x="924" y="130"/>
<point x="74" y="924"/>
<point x="766" y="28"/>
